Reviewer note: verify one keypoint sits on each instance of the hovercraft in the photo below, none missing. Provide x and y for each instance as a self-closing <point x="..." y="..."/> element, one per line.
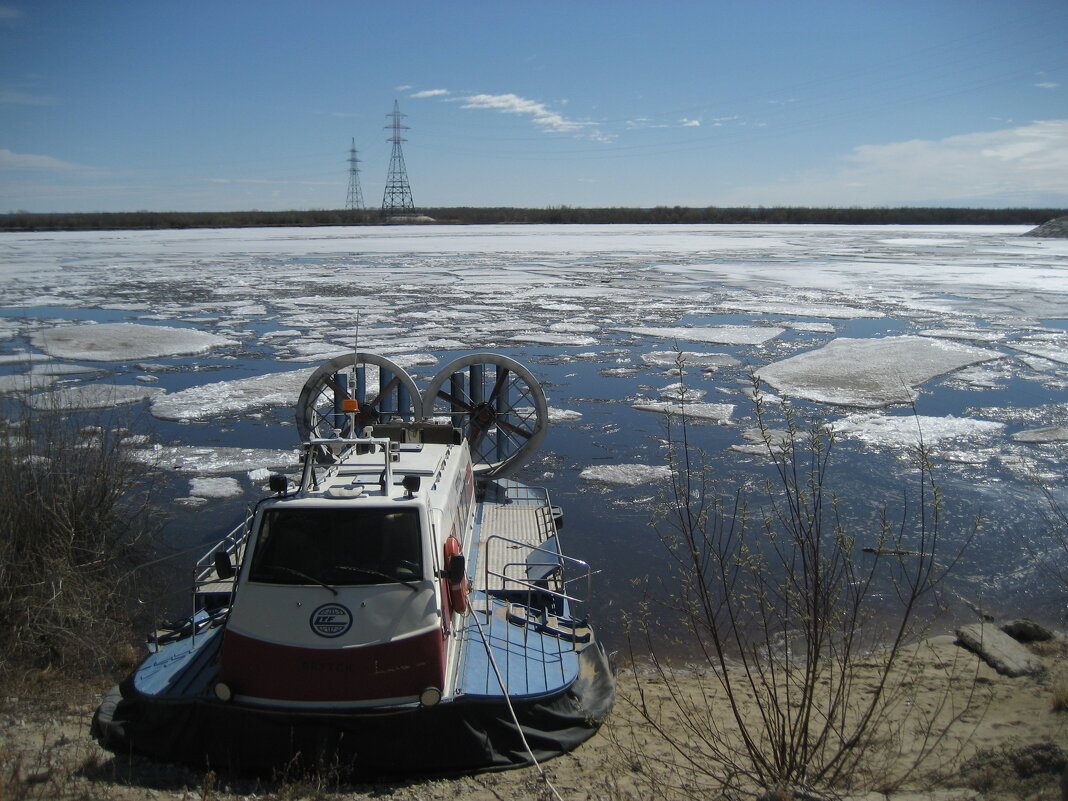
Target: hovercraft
<point x="404" y="609"/>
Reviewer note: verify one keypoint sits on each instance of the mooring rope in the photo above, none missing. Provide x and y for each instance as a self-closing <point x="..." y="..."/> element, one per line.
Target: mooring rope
<point x="508" y="701"/>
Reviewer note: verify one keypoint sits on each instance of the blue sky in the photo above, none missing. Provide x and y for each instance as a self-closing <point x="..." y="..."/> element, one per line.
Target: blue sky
<point x="242" y="104"/>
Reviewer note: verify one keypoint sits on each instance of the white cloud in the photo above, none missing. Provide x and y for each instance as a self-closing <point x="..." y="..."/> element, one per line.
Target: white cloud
<point x="1047" y="85"/>
<point x="539" y="112"/>
<point x="28" y="161"/>
<point x="1025" y="165"/>
<point x="643" y="123"/>
<point x="430" y="93"/>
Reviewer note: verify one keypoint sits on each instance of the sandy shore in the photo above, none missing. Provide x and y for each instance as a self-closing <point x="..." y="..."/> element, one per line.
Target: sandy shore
<point x="46" y="751"/>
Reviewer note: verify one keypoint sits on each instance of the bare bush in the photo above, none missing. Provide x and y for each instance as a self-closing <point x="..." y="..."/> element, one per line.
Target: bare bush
<point x="808" y="645"/>
<point x="73" y="523"/>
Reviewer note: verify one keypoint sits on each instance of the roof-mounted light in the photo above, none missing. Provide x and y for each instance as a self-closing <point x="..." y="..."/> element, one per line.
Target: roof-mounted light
<point x="411" y="484"/>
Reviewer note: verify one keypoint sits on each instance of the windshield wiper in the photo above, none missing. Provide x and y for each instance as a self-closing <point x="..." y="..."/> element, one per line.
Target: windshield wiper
<point x="380" y="574"/>
<point x="312" y="579"/>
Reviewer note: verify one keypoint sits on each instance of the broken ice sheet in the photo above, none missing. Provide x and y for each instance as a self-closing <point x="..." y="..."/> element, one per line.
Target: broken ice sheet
<point x="629" y="475"/>
<point x="909" y="431"/>
<point x="813" y="328"/>
<point x="563" y="340"/>
<point x="755" y="443"/>
<point x="93" y="396"/>
<point x="228" y="397"/>
<point x="869" y="373"/>
<point x="563" y="415"/>
<point x="1052" y="351"/>
<point x="215" y="487"/>
<point x="716" y="412"/>
<point x="972" y="334"/>
<point x="707" y="361"/>
<point x="800" y="309"/>
<point x="214" y="461"/>
<point x="1042" y="436"/>
<point x="21" y="357"/>
<point x="681" y="392"/>
<point x="120" y="342"/>
<point x="63" y="368"/>
<point x="716" y="334"/>
<point x="20" y="384"/>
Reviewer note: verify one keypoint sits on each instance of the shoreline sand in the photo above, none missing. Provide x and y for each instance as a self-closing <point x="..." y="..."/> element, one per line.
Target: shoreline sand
<point x="46" y="751"/>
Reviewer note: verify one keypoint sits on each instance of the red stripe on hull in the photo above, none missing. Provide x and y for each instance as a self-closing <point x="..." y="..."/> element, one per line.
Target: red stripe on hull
<point x="360" y="673"/>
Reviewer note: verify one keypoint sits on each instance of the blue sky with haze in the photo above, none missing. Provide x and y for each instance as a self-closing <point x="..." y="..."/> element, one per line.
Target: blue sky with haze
<point x="115" y="106"/>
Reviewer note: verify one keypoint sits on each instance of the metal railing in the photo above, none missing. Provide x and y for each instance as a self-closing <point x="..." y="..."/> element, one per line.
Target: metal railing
<point x="544" y="581"/>
<point x="206" y="579"/>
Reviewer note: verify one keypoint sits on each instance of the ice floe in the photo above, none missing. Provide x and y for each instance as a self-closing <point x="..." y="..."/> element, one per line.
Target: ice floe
<point x="716" y="334"/>
<point x="706" y="361"/>
<point x="814" y="328"/>
<point x="578" y="328"/>
<point x="228" y="397"/>
<point x="908" y="431"/>
<point x="1044" y="435"/>
<point x="215" y="487"/>
<point x="755" y="444"/>
<point x="557" y="415"/>
<point x="869" y="373"/>
<point x="22" y="357"/>
<point x="1051" y="352"/>
<point x="715" y="412"/>
<point x="800" y="309"/>
<point x="63" y="368"/>
<point x="24" y="383"/>
<point x="119" y="342"/>
<point x="93" y="396"/>
<point x="215" y="461"/>
<point x="967" y="334"/>
<point x="564" y="340"/>
<point x="681" y="392"/>
<point x="629" y="475"/>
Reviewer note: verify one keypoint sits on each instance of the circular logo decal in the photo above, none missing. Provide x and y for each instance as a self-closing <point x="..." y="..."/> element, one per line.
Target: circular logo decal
<point x="331" y="620"/>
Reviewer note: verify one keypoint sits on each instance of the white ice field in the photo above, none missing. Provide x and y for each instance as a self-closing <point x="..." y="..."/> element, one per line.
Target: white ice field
<point x="956" y="335"/>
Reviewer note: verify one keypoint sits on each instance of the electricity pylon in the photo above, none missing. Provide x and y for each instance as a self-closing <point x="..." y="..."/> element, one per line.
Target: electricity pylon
<point x="355" y="197"/>
<point x="398" y="195"/>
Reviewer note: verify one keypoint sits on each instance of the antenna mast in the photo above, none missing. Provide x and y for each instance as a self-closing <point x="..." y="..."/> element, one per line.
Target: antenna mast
<point x="398" y="195"/>
<point x="355" y="197"/>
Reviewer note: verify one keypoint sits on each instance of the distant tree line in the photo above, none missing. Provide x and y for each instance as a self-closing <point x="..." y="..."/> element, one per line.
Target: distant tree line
<point x="912" y="215"/>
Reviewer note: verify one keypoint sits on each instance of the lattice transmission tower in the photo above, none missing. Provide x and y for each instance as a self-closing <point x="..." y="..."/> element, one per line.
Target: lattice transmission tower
<point x="354" y="201"/>
<point x="398" y="195"/>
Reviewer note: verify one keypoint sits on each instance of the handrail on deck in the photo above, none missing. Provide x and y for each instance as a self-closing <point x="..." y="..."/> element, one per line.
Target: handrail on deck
<point x="204" y="572"/>
<point x="512" y="582"/>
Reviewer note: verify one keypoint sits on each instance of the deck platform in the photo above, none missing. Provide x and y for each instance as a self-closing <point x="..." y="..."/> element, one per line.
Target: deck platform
<point x="511" y="539"/>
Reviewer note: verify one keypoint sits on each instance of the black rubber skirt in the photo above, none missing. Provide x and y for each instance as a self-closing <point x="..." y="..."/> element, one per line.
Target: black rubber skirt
<point x="452" y="737"/>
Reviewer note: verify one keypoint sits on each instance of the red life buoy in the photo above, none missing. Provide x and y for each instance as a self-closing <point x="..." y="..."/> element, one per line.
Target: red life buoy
<point x="457" y="590"/>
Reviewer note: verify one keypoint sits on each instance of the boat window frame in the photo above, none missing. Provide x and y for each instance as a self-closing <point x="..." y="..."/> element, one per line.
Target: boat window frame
<point x="309" y="558"/>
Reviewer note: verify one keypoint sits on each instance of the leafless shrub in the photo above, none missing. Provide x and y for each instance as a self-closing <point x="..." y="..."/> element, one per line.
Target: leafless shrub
<point x="809" y="647"/>
<point x="73" y="523"/>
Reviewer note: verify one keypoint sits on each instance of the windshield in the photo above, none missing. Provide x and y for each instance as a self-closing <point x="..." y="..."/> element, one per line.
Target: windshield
<point x="338" y="547"/>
